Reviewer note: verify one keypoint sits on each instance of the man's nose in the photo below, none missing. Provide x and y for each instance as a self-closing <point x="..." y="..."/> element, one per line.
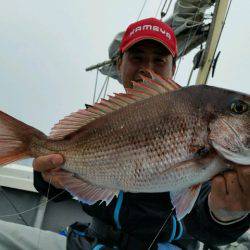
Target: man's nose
<point x="144" y="72"/>
<point x="148" y="63"/>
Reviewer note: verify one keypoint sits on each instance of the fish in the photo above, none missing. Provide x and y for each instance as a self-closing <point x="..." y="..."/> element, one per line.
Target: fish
<point x="156" y="137"/>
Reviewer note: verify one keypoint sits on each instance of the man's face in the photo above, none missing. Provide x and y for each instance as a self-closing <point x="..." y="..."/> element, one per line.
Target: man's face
<point x="147" y="54"/>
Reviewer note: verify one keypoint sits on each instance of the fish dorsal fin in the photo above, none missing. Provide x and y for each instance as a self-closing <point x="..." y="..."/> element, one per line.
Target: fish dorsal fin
<point x="74" y="122"/>
<point x="168" y="83"/>
<point x="142" y="90"/>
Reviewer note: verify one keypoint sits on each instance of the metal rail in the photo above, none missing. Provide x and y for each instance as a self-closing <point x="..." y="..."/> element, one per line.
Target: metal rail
<point x="213" y="39"/>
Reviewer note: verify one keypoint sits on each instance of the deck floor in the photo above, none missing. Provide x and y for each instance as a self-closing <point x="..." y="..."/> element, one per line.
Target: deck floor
<point x="57" y="216"/>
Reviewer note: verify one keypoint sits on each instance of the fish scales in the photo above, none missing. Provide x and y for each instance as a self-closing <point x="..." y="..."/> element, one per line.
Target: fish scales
<point x="135" y="144"/>
<point x="171" y="141"/>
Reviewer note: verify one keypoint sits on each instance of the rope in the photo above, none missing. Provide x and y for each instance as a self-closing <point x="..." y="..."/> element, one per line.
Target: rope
<point x="229" y="6"/>
<point x="101" y="89"/>
<point x="96" y="80"/>
<point x="145" y="1"/>
<point x="163" y="8"/>
<point x="187" y="41"/>
<point x="163" y="14"/>
<point x="104" y="84"/>
<point x="190" y="76"/>
<point x="156" y="14"/>
<point x="107" y="83"/>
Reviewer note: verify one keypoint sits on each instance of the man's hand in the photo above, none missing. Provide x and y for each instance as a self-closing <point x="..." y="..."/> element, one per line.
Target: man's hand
<point x="230" y="194"/>
<point x="49" y="166"/>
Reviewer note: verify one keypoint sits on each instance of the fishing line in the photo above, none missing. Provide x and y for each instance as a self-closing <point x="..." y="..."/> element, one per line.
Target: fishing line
<point x="13" y="205"/>
<point x="163" y="225"/>
<point x="33" y="208"/>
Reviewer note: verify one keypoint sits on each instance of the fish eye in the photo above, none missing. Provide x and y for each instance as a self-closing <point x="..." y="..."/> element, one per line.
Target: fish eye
<point x="238" y="107"/>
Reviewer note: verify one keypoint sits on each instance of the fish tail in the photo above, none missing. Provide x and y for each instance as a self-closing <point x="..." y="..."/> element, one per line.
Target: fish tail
<point x="15" y="138"/>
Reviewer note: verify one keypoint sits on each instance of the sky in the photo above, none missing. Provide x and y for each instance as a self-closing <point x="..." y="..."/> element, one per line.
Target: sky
<point x="45" y="47"/>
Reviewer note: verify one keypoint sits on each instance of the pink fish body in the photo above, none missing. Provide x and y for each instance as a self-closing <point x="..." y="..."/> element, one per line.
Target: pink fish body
<point x="148" y="140"/>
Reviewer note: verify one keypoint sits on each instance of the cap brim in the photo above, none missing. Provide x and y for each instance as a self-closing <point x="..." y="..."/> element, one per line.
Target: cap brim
<point x="138" y="39"/>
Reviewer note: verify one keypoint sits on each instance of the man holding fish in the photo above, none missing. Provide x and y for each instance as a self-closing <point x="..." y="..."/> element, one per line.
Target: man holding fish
<point x="159" y="143"/>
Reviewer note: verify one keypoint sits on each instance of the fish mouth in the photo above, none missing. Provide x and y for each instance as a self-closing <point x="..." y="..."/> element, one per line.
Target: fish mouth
<point x="242" y="157"/>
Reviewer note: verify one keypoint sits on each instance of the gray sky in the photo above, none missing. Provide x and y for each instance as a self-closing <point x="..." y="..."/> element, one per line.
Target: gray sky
<point x="46" y="45"/>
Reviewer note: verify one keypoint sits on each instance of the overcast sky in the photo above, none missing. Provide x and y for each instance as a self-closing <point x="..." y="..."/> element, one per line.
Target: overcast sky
<point x="46" y="45"/>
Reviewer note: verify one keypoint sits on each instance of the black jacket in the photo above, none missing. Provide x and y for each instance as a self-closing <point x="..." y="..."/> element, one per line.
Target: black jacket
<point x="141" y="216"/>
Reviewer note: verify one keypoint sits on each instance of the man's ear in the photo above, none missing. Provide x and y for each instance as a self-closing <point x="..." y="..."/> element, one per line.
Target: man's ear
<point x="118" y="63"/>
<point x="173" y="69"/>
<point x="118" y="68"/>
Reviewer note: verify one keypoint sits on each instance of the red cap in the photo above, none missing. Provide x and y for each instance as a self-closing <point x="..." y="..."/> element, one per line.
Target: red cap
<point x="149" y="28"/>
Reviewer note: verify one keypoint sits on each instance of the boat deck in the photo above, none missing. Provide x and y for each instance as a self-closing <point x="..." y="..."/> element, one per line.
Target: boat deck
<point x="17" y="195"/>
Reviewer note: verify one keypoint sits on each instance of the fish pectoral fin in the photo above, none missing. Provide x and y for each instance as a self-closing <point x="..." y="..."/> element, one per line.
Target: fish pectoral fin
<point x="183" y="200"/>
<point x="85" y="191"/>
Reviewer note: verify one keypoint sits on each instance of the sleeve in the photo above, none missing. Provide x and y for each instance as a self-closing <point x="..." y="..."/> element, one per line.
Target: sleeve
<point x="200" y="225"/>
<point x="43" y="187"/>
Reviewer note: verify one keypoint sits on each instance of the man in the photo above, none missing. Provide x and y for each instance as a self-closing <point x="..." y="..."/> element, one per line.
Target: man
<point x="132" y="221"/>
<point x="218" y="217"/>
